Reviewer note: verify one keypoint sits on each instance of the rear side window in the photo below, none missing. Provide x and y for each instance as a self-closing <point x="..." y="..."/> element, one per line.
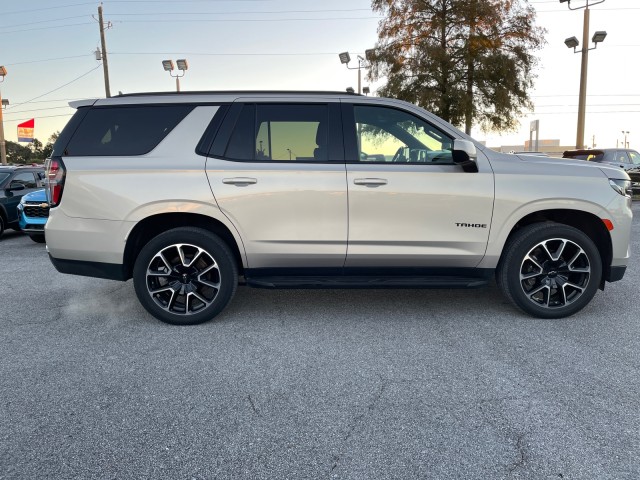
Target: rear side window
<point x="291" y="132"/>
<point x="124" y="131"/>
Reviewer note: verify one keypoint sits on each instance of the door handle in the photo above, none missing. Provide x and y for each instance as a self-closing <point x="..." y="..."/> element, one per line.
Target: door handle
<point x="239" y="181"/>
<point x="370" y="182"/>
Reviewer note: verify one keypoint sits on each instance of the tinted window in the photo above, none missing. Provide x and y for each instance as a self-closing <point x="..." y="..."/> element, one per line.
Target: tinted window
<point x="591" y="157"/>
<point x="114" y="131"/>
<point x="621" y="157"/>
<point x="25" y="178"/>
<point x="3" y="177"/>
<point x="281" y="132"/>
<point x="241" y="144"/>
<point x="390" y="135"/>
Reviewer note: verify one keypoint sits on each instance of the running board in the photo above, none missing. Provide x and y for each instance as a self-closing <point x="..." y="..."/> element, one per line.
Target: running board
<point x="366" y="282"/>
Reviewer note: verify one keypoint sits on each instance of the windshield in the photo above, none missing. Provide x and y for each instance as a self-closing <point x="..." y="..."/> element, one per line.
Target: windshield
<point x="3" y="177"/>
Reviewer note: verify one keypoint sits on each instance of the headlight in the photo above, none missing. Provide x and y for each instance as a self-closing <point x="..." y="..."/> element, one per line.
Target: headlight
<point x="623" y="187"/>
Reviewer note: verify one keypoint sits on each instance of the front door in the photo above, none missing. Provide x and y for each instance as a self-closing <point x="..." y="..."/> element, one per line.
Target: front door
<point x="410" y="206"/>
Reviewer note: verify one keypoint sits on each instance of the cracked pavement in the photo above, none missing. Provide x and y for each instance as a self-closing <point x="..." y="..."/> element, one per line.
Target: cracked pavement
<point x="306" y="384"/>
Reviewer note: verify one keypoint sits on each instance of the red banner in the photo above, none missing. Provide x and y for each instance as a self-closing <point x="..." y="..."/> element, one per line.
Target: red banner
<point x="25" y="130"/>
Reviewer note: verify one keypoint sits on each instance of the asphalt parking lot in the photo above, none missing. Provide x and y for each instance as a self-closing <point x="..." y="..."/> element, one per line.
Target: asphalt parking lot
<point x="395" y="384"/>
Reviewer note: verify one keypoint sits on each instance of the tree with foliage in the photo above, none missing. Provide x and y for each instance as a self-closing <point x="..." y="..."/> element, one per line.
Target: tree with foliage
<point x="34" y="152"/>
<point x="467" y="61"/>
<point x="17" y="153"/>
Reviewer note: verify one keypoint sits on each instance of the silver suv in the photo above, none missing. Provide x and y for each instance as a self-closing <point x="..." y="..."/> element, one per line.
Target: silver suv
<point x="191" y="194"/>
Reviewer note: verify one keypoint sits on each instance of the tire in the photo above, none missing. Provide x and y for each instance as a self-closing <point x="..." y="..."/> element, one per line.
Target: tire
<point x="549" y="270"/>
<point x="185" y="276"/>
<point x="1" y="225"/>
<point x="37" y="237"/>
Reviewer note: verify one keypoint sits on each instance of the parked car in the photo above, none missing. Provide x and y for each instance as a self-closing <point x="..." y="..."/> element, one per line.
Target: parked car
<point x="14" y="183"/>
<point x="33" y="212"/>
<point x="634" y="174"/>
<point x="618" y="157"/>
<point x="191" y="193"/>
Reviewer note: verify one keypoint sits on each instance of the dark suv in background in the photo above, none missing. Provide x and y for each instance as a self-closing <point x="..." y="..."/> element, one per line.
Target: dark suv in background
<point x="618" y="157"/>
<point x="14" y="183"/>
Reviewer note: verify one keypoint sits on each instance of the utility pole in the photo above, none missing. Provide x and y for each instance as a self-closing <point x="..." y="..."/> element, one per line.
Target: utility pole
<point x="3" y="149"/>
<point x="105" y="63"/>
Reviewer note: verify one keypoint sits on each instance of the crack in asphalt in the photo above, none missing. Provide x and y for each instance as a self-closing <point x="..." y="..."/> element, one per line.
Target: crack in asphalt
<point x="253" y="406"/>
<point x="519" y="463"/>
<point x="358" y="419"/>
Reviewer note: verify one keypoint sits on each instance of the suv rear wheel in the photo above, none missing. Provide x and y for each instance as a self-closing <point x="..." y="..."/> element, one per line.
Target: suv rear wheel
<point x="549" y="270"/>
<point x="185" y="276"/>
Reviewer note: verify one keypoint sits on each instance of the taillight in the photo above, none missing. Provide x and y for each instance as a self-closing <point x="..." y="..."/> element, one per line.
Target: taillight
<point x="54" y="180"/>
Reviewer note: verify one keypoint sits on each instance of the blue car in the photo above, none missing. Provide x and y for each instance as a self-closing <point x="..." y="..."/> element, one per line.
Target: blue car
<point x="33" y="212"/>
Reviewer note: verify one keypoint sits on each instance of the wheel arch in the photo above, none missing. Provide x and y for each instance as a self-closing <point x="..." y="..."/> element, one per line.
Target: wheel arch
<point x="151" y="226"/>
<point x="588" y="223"/>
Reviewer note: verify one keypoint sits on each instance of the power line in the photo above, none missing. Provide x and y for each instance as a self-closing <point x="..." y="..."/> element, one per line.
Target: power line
<point x="42" y="21"/>
<point x="32" y="10"/>
<point x="262" y="12"/>
<point x="57" y="88"/>
<point x="45" y="28"/>
<point x="258" y="54"/>
<point x="49" y="59"/>
<point x="36" y="110"/>
<point x="38" y="117"/>
<point x="227" y="20"/>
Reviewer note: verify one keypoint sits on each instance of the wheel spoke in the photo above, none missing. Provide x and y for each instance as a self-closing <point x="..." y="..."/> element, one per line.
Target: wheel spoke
<point x="181" y="255"/>
<point x="199" y="297"/>
<point x="575" y="257"/>
<point x="537" y="290"/>
<point x="209" y="284"/>
<point x="564" y="294"/>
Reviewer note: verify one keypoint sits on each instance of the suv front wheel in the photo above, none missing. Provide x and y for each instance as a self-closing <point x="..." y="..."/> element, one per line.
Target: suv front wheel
<point x="549" y="270"/>
<point x="185" y="276"/>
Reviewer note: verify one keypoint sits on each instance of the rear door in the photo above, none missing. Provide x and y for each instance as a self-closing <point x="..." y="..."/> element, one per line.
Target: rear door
<point x="277" y="172"/>
<point x="409" y="204"/>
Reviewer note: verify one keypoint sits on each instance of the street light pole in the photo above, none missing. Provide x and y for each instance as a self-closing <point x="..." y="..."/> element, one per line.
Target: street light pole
<point x="626" y="143"/>
<point x="582" y="102"/>
<point x="573" y="43"/>
<point x="345" y="58"/>
<point x="183" y="66"/>
<point x="3" y="149"/>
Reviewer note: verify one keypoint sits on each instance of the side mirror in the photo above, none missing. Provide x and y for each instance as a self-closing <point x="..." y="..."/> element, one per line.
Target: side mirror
<point x="465" y="155"/>
<point x="15" y="186"/>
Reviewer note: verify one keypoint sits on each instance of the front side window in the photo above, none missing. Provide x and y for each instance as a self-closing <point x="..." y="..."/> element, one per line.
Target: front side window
<point x="125" y="130"/>
<point x="389" y="135"/>
<point x="621" y="157"/>
<point x="280" y="133"/>
<point x="25" y="178"/>
<point x="635" y="158"/>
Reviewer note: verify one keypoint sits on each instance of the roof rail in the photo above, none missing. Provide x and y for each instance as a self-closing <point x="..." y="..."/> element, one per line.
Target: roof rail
<point x="239" y="92"/>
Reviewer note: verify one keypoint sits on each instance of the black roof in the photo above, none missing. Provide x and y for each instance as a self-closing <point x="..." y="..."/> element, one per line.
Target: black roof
<point x="11" y="168"/>
<point x="240" y="92"/>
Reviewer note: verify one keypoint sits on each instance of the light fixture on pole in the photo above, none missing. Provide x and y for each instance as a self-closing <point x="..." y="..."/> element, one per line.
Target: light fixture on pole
<point x="626" y="136"/>
<point x="573" y="42"/>
<point x="183" y="66"/>
<point x="4" y="103"/>
<point x="345" y="58"/>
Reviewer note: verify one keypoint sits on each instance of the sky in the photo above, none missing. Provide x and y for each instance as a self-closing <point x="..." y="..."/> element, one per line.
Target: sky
<point x="47" y="47"/>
